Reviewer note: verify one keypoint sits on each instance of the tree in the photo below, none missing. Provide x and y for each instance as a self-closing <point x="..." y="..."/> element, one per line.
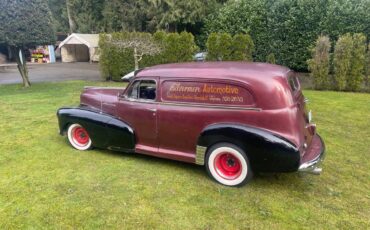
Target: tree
<point x="25" y="23"/>
<point x="357" y="69"/>
<point x="170" y="14"/>
<point x="319" y="64"/>
<point x="342" y="60"/>
<point x="71" y="22"/>
<point x="367" y="68"/>
<point x="140" y="43"/>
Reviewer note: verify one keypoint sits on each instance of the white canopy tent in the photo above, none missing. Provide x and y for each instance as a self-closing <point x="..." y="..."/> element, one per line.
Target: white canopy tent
<point x="80" y="48"/>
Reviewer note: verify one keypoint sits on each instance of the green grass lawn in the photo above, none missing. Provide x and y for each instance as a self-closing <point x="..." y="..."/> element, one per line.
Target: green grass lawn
<point x="45" y="183"/>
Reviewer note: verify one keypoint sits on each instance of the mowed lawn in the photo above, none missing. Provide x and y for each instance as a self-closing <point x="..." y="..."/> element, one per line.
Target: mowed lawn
<point x="45" y="183"/>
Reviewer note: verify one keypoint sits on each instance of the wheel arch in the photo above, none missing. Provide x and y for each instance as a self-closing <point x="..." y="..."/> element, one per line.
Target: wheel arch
<point x="265" y="150"/>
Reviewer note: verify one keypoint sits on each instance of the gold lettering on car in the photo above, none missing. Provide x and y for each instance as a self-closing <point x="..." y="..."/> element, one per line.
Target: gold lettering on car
<point x="220" y="89"/>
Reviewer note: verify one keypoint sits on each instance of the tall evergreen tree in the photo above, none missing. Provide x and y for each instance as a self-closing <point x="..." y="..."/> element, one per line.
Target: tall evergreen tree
<point x="319" y="64"/>
<point x="356" y="74"/>
<point x="25" y="23"/>
<point x="342" y="60"/>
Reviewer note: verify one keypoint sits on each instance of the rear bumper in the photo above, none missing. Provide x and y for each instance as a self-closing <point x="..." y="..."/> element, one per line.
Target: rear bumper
<point x="312" y="159"/>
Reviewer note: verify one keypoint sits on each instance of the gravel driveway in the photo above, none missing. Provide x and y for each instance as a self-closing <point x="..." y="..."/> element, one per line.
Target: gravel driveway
<point x="53" y="72"/>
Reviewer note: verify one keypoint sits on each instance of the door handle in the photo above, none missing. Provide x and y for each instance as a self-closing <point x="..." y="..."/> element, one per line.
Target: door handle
<point x="152" y="110"/>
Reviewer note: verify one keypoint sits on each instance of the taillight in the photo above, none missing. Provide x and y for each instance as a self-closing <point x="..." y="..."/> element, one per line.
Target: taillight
<point x="311" y="128"/>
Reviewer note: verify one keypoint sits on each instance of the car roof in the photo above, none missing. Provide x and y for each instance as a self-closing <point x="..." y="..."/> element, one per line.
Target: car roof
<point x="260" y="78"/>
<point x="244" y="71"/>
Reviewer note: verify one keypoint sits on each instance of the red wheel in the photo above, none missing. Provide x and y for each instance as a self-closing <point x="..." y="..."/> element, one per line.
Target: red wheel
<point x="78" y="137"/>
<point x="228" y="164"/>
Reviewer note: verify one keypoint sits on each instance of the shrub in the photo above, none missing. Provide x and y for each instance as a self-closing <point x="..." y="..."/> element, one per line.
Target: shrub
<point x="356" y="75"/>
<point x="342" y="61"/>
<point x="242" y="47"/>
<point x="271" y="58"/>
<point x="319" y="64"/>
<point x="212" y="47"/>
<point x="223" y="47"/>
<point x="114" y="63"/>
<point x="186" y="47"/>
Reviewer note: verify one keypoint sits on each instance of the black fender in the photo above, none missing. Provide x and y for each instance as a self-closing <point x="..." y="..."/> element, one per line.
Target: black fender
<point x="266" y="151"/>
<point x="104" y="130"/>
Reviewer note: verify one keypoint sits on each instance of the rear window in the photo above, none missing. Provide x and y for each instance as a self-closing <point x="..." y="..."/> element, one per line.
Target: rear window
<point x="205" y="92"/>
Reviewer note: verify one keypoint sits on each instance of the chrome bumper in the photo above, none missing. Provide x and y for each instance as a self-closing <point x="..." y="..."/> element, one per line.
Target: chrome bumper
<point x="313" y="166"/>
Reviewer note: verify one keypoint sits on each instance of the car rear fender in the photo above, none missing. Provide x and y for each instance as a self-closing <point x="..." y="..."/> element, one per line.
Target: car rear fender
<point x="266" y="150"/>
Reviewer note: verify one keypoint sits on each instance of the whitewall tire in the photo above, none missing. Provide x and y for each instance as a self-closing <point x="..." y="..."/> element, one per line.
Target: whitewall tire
<point x="78" y="137"/>
<point x="228" y="164"/>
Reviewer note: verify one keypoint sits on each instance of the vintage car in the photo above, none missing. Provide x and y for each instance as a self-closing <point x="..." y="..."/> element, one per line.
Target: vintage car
<point x="235" y="118"/>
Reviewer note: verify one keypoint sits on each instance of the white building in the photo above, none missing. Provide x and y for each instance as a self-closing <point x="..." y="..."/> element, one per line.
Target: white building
<point x="80" y="48"/>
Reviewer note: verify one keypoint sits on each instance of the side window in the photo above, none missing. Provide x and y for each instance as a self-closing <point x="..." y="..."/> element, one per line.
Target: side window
<point x="143" y="90"/>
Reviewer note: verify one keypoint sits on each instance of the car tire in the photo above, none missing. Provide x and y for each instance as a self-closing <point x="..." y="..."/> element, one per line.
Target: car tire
<point x="228" y="164"/>
<point x="78" y="137"/>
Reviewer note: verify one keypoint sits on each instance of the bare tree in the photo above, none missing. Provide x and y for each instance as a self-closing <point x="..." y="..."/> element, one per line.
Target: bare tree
<point x="141" y="43"/>
<point x="72" y="24"/>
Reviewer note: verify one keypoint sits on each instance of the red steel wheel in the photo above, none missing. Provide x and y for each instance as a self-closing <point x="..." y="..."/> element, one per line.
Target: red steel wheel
<point x="228" y="164"/>
<point x="78" y="137"/>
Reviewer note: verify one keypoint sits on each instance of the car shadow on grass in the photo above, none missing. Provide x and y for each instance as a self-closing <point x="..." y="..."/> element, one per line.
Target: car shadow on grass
<point x="288" y="181"/>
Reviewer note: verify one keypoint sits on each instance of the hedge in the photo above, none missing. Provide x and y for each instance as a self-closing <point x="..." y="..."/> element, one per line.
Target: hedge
<point x="114" y="62"/>
<point x="287" y="28"/>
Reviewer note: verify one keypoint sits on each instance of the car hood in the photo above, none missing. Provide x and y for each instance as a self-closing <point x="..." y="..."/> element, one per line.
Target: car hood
<point x="102" y="98"/>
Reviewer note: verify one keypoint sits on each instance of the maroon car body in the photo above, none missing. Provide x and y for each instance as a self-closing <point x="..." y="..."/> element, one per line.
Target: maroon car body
<point x="179" y="111"/>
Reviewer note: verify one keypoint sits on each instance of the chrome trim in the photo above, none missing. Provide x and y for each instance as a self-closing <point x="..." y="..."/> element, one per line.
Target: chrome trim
<point x="313" y="165"/>
<point x="103" y="87"/>
<point x="211" y="106"/>
<point x="200" y="154"/>
<point x="191" y="105"/>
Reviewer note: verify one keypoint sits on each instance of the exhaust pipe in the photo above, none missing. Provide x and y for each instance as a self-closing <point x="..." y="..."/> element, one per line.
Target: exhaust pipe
<point x="315" y="171"/>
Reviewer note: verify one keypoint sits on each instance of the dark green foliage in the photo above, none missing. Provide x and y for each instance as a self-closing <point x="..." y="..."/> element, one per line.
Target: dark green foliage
<point x="319" y="64"/>
<point x="287" y="28"/>
<point x="356" y="74"/>
<point x="121" y="15"/>
<point x="115" y="63"/>
<point x="367" y="69"/>
<point x="342" y="61"/>
<point x="271" y="58"/>
<point x="93" y="16"/>
<point x="25" y="23"/>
